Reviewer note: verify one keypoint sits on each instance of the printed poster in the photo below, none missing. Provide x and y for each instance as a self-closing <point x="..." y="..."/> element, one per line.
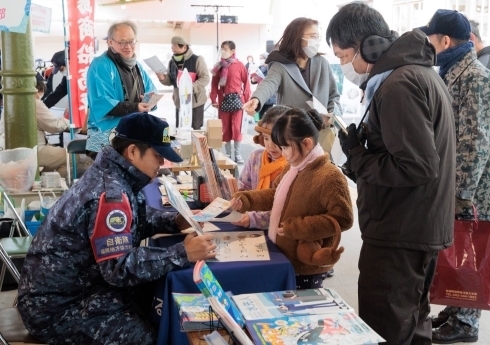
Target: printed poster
<point x="40" y="18"/>
<point x="81" y="18"/>
<point x="14" y="15"/>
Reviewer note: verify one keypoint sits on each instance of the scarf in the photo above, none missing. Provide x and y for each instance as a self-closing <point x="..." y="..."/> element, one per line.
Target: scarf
<point x="269" y="170"/>
<point x="222" y="67"/>
<point x="374" y="83"/>
<point x="447" y="58"/>
<point x="283" y="189"/>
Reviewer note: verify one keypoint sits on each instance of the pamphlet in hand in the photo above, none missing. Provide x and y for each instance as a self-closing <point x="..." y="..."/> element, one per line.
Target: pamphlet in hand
<point x="155" y="64"/>
<point x="178" y="202"/>
<point x="329" y="118"/>
<point x="258" y="75"/>
<point x="216" y="207"/>
<point x="152" y="98"/>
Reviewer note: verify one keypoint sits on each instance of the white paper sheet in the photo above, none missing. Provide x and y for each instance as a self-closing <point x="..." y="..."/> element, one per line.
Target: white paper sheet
<point x="155" y="64"/>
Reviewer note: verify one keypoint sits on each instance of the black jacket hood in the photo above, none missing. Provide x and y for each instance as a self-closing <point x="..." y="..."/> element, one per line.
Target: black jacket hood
<point x="412" y="48"/>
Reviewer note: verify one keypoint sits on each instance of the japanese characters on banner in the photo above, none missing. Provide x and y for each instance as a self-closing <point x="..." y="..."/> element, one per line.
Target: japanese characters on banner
<point x="40" y="18"/>
<point x="81" y="18"/>
<point x="14" y="15"/>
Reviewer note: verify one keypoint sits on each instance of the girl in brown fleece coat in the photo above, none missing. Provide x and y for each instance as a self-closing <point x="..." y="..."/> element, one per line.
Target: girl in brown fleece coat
<point x="309" y="202"/>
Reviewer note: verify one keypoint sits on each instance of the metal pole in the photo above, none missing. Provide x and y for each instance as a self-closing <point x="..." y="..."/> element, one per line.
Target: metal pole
<point x="217" y="31"/>
<point x="68" y="79"/>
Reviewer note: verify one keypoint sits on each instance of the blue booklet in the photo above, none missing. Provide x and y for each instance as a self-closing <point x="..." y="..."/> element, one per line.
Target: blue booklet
<point x="267" y="305"/>
<point x="210" y="287"/>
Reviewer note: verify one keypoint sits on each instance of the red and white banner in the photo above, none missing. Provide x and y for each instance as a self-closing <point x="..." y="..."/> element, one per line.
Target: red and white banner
<point x="81" y="19"/>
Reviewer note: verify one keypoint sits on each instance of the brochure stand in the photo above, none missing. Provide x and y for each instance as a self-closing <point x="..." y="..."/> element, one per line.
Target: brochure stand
<point x="232" y="340"/>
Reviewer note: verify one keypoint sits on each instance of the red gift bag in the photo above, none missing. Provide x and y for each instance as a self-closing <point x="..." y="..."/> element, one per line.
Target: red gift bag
<point x="462" y="277"/>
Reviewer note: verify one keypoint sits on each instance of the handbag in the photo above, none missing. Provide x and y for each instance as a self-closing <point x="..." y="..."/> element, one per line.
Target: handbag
<point x="231" y="103"/>
<point x="462" y="277"/>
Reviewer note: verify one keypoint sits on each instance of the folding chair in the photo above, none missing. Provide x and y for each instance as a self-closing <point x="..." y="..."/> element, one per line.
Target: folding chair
<point x="12" y="327"/>
<point x="13" y="247"/>
<point x="76" y="146"/>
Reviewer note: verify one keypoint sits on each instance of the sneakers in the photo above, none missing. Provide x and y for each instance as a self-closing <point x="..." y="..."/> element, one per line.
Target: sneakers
<point x="449" y="334"/>
<point x="239" y="159"/>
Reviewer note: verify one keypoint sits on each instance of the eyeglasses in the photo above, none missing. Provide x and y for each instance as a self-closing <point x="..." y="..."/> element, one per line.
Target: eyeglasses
<point x="123" y="44"/>
<point x="313" y="36"/>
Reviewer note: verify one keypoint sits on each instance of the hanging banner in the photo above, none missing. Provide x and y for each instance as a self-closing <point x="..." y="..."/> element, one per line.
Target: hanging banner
<point x="40" y="18"/>
<point x="81" y="47"/>
<point x="14" y="15"/>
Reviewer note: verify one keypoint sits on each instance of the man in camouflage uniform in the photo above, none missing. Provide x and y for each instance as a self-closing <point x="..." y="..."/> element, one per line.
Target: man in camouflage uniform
<point x="468" y="82"/>
<point x="85" y="276"/>
<point x="482" y="52"/>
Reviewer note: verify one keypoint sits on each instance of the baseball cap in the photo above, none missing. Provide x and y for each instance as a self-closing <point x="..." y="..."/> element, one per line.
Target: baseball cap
<point x="179" y="40"/>
<point x="263" y="55"/>
<point x="58" y="60"/>
<point x="150" y="130"/>
<point x="449" y="23"/>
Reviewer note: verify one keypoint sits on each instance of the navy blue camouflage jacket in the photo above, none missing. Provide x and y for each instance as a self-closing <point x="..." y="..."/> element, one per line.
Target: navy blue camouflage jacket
<point x="60" y="274"/>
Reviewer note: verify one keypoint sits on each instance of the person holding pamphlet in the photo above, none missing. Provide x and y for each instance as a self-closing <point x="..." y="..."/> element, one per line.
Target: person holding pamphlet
<point x="262" y="167"/>
<point x="184" y="57"/>
<point x="297" y="72"/>
<point x="309" y="201"/>
<point x="116" y="85"/>
<point x="86" y="279"/>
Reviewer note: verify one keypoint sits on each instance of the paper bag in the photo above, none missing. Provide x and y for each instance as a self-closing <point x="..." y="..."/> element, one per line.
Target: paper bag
<point x="462" y="277"/>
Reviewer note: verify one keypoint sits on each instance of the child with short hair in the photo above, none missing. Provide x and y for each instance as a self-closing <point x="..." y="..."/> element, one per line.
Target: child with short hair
<point x="262" y="167"/>
<point x="310" y="202"/>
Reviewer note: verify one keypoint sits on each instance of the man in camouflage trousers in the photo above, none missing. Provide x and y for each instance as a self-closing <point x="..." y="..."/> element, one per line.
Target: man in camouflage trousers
<point x="468" y="82"/>
<point x="85" y="279"/>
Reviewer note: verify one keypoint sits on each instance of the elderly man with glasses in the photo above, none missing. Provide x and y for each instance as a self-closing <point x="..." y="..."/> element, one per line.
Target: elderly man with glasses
<point x="116" y="84"/>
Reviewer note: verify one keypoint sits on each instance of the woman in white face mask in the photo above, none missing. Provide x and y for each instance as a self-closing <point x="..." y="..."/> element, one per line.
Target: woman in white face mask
<point x="297" y="73"/>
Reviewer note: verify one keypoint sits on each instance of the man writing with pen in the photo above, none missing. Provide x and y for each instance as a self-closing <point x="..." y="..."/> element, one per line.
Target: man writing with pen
<point x="86" y="279"/>
<point x="116" y="84"/>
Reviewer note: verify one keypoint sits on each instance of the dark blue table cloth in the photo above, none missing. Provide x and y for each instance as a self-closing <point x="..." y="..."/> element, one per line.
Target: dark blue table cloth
<point x="238" y="277"/>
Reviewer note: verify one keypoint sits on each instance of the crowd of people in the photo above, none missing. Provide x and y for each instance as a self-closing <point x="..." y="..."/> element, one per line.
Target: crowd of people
<point x="420" y="158"/>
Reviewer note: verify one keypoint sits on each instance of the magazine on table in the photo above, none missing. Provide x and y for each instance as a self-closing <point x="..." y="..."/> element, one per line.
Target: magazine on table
<point x="267" y="305"/>
<point x="194" y="311"/>
<point x="210" y="287"/>
<point x="229" y="321"/>
<point x="341" y="328"/>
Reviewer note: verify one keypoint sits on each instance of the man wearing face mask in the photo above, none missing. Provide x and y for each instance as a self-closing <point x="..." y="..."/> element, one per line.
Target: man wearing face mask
<point x="184" y="57"/>
<point x="405" y="175"/>
<point x="297" y="72"/>
<point x="468" y="84"/>
<point x="116" y="84"/>
<point x="57" y="82"/>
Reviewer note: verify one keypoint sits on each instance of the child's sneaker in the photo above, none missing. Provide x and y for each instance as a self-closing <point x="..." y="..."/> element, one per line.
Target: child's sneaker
<point x="239" y="159"/>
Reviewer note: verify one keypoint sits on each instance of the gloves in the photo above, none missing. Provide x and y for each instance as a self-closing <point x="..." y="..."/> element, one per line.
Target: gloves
<point x="464" y="209"/>
<point x="349" y="141"/>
